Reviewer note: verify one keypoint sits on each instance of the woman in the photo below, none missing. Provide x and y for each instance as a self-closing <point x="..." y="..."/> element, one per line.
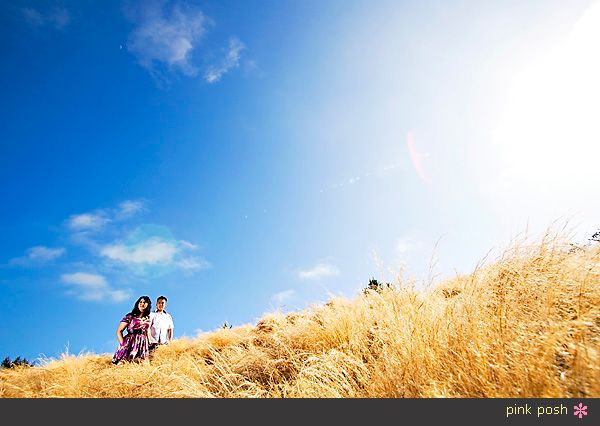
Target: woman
<point x="135" y="343"/>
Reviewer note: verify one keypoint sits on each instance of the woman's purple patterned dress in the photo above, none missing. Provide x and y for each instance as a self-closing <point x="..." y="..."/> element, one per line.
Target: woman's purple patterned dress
<point x="135" y="342"/>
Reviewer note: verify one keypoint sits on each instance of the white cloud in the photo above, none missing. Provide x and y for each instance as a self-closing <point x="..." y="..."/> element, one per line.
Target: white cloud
<point x="129" y="208"/>
<point x="150" y="251"/>
<point x="87" y="221"/>
<point x="409" y="248"/>
<point x="92" y="287"/>
<point x="282" y="296"/>
<point x="33" y="17"/>
<point x="188" y="245"/>
<point x="192" y="264"/>
<point x="322" y="270"/>
<point x="118" y="295"/>
<point x="231" y="61"/>
<point x="403" y="246"/>
<point x="44" y="254"/>
<point x="96" y="220"/>
<point x="58" y="18"/>
<point x="147" y="250"/>
<point x="37" y="255"/>
<point x="84" y="280"/>
<point x="166" y="35"/>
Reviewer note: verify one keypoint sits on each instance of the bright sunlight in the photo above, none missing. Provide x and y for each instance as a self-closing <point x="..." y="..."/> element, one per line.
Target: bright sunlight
<point x="549" y="132"/>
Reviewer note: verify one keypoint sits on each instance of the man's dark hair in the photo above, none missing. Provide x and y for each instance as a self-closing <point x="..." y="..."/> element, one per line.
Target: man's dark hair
<point x="161" y="298"/>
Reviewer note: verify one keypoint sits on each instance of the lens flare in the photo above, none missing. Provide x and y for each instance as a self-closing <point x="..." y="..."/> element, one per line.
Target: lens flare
<point x="417" y="159"/>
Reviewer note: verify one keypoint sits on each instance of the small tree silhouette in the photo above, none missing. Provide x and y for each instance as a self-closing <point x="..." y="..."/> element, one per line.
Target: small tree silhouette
<point x="595" y="238"/>
<point x="376" y="286"/>
<point x="7" y="363"/>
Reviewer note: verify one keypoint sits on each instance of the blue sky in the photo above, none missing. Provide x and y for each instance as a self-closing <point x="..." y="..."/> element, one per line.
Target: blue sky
<point x="242" y="157"/>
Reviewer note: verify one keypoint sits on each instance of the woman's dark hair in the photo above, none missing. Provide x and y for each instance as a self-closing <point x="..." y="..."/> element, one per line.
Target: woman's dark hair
<point x="136" y="311"/>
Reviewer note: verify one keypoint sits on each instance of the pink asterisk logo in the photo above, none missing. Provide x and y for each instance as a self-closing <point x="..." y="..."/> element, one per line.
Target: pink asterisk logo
<point x="580" y="410"/>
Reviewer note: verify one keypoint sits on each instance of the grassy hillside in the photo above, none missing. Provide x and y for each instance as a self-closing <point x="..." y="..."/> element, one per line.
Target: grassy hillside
<point x="526" y="325"/>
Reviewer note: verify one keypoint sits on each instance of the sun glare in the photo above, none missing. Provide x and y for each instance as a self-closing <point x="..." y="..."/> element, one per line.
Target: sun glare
<point x="549" y="132"/>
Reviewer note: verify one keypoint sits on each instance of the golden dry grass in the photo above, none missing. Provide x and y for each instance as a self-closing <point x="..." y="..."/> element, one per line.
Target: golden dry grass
<point x="527" y="325"/>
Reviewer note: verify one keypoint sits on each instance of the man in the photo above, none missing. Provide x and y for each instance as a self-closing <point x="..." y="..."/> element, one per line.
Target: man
<point x="161" y="325"/>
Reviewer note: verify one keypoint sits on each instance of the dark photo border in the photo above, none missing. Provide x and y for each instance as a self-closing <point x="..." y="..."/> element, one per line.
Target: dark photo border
<point x="366" y="412"/>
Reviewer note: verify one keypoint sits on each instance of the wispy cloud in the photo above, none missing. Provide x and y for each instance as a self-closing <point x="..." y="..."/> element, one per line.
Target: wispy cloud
<point x="87" y="221"/>
<point x="322" y="270"/>
<point x="408" y="246"/>
<point x="165" y="34"/>
<point x="150" y="251"/>
<point x="231" y="61"/>
<point x="58" y="18"/>
<point x="403" y="246"/>
<point x="112" y="246"/>
<point x="92" y="287"/>
<point x="129" y="208"/>
<point x="147" y="250"/>
<point x="282" y="296"/>
<point x="38" y="255"/>
<point x="193" y="264"/>
<point x="83" y="279"/>
<point x="188" y="245"/>
<point x="98" y="219"/>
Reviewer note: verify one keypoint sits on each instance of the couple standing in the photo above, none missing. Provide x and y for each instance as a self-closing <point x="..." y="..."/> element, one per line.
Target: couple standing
<point x="146" y="330"/>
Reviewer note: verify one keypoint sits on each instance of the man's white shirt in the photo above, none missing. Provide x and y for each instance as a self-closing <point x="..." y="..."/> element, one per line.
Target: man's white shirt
<point x="160" y="322"/>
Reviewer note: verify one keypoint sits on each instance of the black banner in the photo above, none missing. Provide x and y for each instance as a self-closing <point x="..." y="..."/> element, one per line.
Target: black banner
<point x="366" y="412"/>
